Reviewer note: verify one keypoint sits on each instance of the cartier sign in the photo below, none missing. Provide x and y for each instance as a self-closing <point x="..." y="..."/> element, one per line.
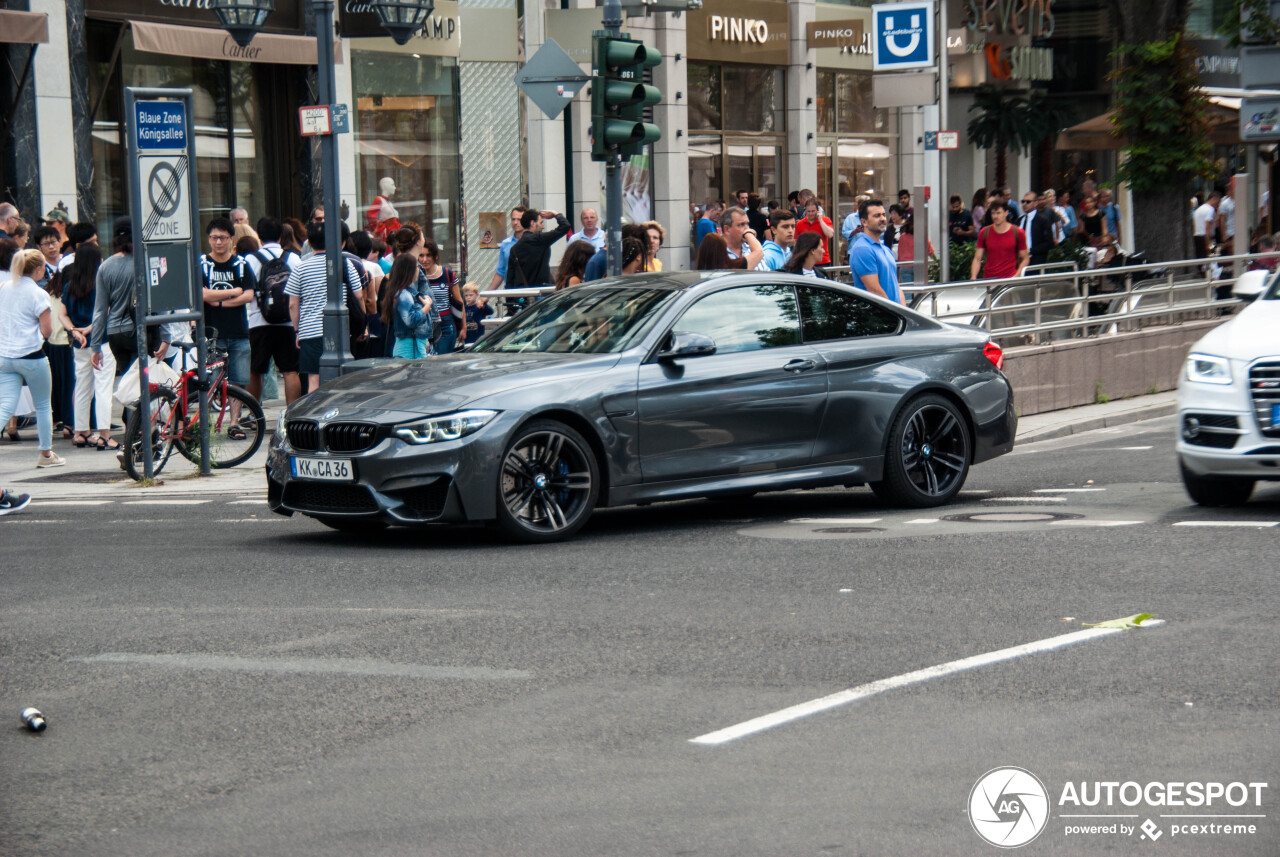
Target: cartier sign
<point x="286" y="18"/>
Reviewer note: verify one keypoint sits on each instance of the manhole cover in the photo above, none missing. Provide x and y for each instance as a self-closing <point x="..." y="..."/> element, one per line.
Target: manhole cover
<point x="848" y="530"/>
<point x="82" y="477"/>
<point x="1012" y="517"/>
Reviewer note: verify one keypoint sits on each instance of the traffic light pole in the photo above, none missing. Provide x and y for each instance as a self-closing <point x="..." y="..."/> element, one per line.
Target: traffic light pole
<point x="613" y="166"/>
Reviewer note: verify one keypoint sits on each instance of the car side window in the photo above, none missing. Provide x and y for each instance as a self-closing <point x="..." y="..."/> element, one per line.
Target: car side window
<point x="746" y="318"/>
<point x="829" y="314"/>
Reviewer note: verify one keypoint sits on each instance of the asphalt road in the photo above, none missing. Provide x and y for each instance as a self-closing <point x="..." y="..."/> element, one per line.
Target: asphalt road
<point x="222" y="681"/>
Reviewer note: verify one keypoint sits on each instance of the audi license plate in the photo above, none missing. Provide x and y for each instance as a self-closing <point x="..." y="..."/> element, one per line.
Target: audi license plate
<point x="326" y="469"/>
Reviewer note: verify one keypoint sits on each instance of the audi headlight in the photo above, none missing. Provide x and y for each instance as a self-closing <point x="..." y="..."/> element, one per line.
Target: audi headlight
<point x="1208" y="369"/>
<point x="447" y="427"/>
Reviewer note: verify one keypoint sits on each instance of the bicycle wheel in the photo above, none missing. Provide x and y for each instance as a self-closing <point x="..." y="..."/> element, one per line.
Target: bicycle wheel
<point x="162" y="404"/>
<point x="231" y="442"/>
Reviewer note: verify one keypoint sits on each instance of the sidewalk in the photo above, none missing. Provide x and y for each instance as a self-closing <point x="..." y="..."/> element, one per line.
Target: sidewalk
<point x="91" y="474"/>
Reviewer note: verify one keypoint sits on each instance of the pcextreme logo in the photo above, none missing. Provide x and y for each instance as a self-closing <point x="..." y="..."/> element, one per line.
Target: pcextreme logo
<point x="1010" y="806"/>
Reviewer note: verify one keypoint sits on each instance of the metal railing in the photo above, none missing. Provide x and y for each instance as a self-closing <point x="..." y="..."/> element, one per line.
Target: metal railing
<point x="1091" y="302"/>
<point x="501" y="296"/>
<point x="1071" y="303"/>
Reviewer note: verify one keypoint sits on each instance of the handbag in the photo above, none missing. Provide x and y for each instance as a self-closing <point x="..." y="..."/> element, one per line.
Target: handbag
<point x="129" y="391"/>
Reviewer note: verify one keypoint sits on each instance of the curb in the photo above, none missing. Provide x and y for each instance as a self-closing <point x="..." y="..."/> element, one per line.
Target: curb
<point x="1094" y="423"/>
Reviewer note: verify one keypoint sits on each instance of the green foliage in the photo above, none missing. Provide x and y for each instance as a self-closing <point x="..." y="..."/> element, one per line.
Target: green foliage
<point x="1014" y="122"/>
<point x="1251" y="19"/>
<point x="960" y="255"/>
<point x="1160" y="108"/>
<point x="1070" y="250"/>
<point x="1099" y="397"/>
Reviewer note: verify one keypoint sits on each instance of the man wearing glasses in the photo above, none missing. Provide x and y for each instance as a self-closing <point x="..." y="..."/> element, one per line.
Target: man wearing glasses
<point x="1038" y="227"/>
<point x="228" y="287"/>
<point x="49" y="243"/>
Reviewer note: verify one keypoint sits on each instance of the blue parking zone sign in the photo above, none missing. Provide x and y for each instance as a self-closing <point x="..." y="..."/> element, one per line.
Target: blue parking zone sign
<point x="904" y="36"/>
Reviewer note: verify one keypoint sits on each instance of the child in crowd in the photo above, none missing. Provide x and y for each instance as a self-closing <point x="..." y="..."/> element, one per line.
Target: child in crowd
<point x="478" y="310"/>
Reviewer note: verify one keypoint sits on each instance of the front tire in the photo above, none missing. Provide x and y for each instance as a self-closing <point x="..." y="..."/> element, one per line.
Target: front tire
<point x="162" y="405"/>
<point x="927" y="454"/>
<point x="1216" y="490"/>
<point x="548" y="483"/>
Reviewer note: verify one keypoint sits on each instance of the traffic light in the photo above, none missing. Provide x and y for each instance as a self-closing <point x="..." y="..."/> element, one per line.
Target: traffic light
<point x="619" y="96"/>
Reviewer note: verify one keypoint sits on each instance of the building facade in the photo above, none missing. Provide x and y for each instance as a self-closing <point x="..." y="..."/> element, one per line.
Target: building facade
<point x="761" y="95"/>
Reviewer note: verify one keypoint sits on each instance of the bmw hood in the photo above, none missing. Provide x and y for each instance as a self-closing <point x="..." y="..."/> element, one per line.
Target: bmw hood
<point x="405" y="389"/>
<point x="1253" y="333"/>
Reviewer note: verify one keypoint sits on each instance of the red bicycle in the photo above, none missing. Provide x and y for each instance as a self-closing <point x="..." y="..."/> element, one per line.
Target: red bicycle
<point x="236" y="423"/>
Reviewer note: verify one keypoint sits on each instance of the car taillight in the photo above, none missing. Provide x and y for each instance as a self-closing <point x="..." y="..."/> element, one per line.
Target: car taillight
<point x="995" y="354"/>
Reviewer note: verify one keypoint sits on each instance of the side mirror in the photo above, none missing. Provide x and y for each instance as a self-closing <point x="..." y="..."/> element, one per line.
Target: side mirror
<point x="688" y="345"/>
<point x="1250" y="284"/>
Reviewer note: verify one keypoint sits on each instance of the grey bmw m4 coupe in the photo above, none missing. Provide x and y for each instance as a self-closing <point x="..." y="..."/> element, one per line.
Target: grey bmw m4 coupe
<point x="648" y="388"/>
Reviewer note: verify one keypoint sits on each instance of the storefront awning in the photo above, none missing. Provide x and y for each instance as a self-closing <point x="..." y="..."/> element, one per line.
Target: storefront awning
<point x="1094" y="135"/>
<point x="208" y="43"/>
<point x="24" y="28"/>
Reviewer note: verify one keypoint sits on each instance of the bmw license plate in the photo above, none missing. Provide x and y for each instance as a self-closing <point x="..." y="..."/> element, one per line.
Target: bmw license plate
<point x="326" y="469"/>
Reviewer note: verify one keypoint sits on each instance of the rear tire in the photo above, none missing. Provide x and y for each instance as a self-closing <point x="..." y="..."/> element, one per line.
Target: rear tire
<point x="547" y="484"/>
<point x="1216" y="490"/>
<point x="224" y="450"/>
<point x="927" y="453"/>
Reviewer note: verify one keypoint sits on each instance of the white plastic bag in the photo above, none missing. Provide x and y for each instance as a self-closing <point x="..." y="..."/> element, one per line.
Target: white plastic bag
<point x="128" y="391"/>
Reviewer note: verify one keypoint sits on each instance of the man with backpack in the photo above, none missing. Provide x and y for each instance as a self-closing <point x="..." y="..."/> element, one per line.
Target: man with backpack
<point x="228" y="287"/>
<point x="271" y="334"/>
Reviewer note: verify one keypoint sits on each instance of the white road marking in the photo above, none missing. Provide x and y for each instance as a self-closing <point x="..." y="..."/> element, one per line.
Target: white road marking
<point x="1121" y="448"/>
<point x="833" y="521"/>
<point x="173" y="502"/>
<point x="923" y="521"/>
<point x="74" y="502"/>
<point x="1066" y="490"/>
<point x="854" y="694"/>
<point x="1227" y="524"/>
<point x="1085" y="522"/>
<point x="1025" y="500"/>
<point x="261" y="501"/>
<point x="274" y="519"/>
<point x="314" y="666"/>
<point x="21" y="520"/>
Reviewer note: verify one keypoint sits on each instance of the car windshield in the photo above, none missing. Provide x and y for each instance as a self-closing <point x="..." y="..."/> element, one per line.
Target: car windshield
<point x="1273" y="293"/>
<point x="582" y="320"/>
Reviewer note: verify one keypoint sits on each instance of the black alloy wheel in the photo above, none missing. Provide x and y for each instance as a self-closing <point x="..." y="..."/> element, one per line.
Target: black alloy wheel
<point x="547" y="485"/>
<point x="927" y="454"/>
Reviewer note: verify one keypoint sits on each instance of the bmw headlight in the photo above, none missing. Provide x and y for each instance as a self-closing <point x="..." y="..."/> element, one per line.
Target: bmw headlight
<point x="281" y="431"/>
<point x="1208" y="369"/>
<point x="447" y="427"/>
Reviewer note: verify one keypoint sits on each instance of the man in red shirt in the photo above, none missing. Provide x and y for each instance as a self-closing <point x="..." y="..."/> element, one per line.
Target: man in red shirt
<point x="813" y="222"/>
<point x="1001" y="245"/>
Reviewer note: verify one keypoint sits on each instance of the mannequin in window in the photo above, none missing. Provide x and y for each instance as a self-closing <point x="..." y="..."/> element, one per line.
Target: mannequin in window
<point x="382" y="218"/>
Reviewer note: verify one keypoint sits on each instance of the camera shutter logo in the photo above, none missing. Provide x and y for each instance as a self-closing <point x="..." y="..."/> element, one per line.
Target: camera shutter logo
<point x="1008" y="807"/>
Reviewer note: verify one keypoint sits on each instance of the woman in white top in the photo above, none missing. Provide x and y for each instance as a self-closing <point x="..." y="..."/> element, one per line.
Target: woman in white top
<point x="26" y="321"/>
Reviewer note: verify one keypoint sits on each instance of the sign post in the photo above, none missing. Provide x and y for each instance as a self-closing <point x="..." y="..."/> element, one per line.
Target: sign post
<point x="165" y="218"/>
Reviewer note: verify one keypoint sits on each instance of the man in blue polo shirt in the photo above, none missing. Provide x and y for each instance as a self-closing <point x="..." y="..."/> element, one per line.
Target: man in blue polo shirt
<point x="874" y="267"/>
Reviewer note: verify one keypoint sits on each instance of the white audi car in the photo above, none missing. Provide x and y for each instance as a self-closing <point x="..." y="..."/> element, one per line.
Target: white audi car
<point x="1229" y="400"/>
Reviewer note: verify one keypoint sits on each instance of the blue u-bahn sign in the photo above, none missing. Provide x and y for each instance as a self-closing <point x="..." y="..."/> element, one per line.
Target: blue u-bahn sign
<point x="903" y="36"/>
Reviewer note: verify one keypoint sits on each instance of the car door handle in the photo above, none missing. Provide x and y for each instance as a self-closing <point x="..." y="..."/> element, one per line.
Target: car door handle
<point x="799" y="366"/>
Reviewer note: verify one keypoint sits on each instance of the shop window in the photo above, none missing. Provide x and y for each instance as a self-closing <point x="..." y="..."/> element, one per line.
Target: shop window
<point x="406" y="129"/>
<point x="826" y="102"/>
<point x="752" y="98"/>
<point x="704" y="97"/>
<point x="705" y="177"/>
